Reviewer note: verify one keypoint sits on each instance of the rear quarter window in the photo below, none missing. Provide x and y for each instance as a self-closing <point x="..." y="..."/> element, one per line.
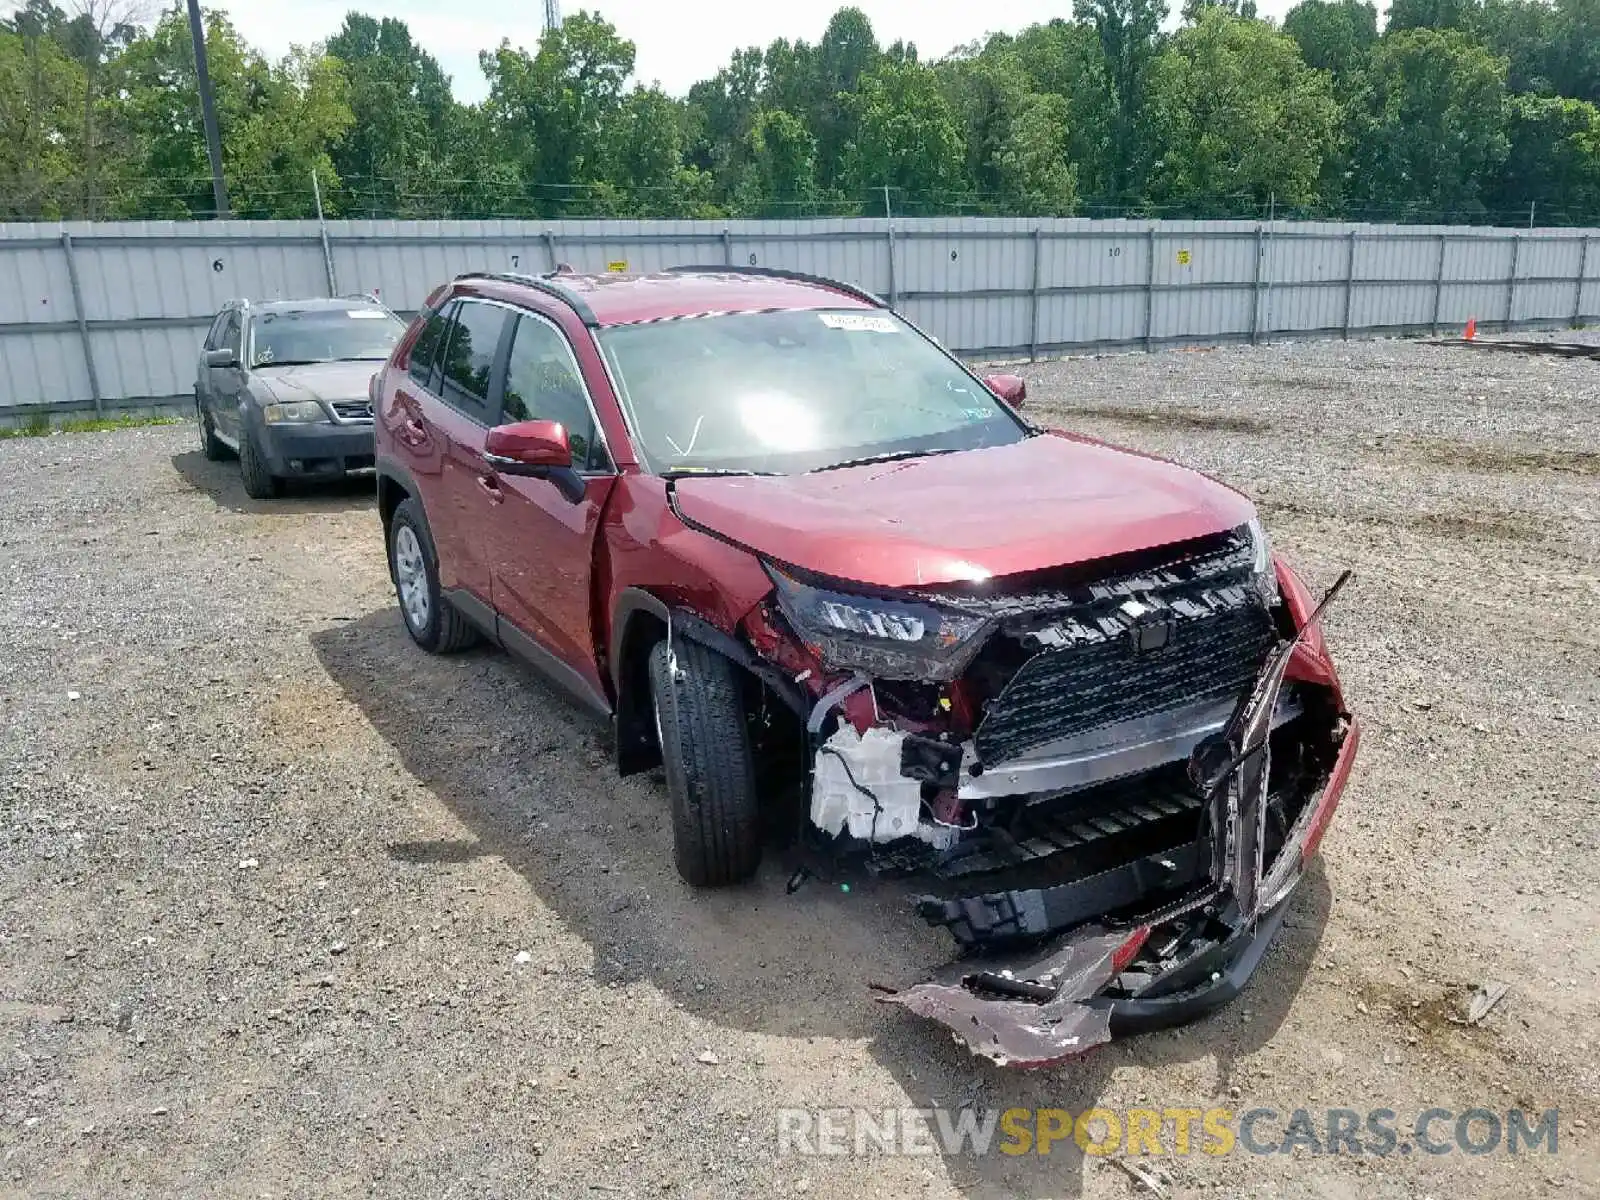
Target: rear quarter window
<point x="425" y="351"/>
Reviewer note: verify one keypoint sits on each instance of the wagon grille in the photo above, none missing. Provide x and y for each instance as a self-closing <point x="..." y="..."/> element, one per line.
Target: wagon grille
<point x="353" y="410"/>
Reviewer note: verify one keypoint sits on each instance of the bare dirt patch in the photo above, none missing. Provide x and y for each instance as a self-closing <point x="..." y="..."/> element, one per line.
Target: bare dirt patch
<point x="289" y="908"/>
<point x="1473" y="456"/>
<point x="1165" y="418"/>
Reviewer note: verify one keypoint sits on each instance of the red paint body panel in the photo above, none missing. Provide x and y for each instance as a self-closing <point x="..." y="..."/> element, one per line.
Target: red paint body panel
<point x="647" y="547"/>
<point x="1310" y="662"/>
<point x="540" y="550"/>
<point x="623" y="299"/>
<point x="1042" y="502"/>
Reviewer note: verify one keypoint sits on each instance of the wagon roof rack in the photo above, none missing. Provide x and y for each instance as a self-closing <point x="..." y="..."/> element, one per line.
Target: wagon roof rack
<point x="542" y="283"/>
<point x="837" y="285"/>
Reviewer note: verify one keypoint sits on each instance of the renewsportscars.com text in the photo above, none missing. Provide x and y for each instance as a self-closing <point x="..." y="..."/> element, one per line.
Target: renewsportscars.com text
<point x="839" y="1132"/>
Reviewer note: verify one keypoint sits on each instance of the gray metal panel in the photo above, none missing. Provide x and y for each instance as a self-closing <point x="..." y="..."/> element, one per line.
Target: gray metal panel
<point x="34" y="286"/>
<point x="149" y="288"/>
<point x="43" y="368"/>
<point x="1295" y="308"/>
<point x="1383" y="304"/>
<point x="148" y="362"/>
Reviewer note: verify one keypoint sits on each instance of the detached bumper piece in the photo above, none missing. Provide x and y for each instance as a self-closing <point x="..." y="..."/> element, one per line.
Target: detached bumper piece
<point x="1045" y="1008"/>
<point x="1057" y="962"/>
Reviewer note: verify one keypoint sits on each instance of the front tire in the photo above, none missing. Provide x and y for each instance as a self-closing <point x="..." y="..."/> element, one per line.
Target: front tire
<point x="429" y="618"/>
<point x="705" y="747"/>
<point x="259" y="481"/>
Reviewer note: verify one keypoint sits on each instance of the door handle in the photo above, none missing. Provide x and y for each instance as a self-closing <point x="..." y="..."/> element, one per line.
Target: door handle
<point x="491" y="488"/>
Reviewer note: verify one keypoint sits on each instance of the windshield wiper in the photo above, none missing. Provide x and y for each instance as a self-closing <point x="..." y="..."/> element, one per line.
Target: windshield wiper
<point x="361" y="358"/>
<point x="290" y="362"/>
<point x="892" y="456"/>
<point x="709" y="472"/>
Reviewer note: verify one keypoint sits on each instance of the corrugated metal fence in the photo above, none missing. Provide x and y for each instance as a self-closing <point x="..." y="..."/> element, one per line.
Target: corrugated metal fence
<point x="110" y="316"/>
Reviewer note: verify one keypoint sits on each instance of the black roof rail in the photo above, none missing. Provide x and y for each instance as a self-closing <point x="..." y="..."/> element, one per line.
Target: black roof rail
<point x="540" y="283"/>
<point x="848" y="289"/>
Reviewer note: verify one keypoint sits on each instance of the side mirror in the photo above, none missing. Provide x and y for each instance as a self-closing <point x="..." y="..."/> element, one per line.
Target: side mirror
<point x="1013" y="389"/>
<point x="535" y="450"/>
<point x="223" y="356"/>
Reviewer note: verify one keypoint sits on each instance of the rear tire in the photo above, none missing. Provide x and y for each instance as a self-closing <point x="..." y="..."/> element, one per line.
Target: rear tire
<point x="705" y="747"/>
<point x="414" y="565"/>
<point x="259" y="481"/>
<point x="210" y="446"/>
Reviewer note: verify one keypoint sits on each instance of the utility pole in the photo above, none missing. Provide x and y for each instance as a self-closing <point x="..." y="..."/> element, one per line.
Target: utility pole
<point x="208" y="110"/>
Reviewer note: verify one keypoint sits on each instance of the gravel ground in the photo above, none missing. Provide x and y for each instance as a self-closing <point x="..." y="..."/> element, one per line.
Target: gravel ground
<point x="288" y="908"/>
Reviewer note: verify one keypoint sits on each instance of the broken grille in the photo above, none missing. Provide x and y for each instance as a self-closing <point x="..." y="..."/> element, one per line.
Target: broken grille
<point x="1063" y="691"/>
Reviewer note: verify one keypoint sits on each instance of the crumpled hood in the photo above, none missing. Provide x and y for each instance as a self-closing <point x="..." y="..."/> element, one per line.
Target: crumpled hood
<point x="1042" y="502"/>
<point x="318" y="381"/>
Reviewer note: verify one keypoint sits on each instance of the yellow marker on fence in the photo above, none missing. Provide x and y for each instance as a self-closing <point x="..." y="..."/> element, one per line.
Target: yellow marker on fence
<point x="618" y="267"/>
<point x="1184" y="258"/>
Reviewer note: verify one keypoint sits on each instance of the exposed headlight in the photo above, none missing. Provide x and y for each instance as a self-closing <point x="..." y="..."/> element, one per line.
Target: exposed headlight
<point x="1261" y="571"/>
<point x="888" y="639"/>
<point x="296" y="412"/>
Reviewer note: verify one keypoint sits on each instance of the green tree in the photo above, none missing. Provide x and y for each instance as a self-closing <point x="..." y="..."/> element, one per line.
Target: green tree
<point x="547" y="111"/>
<point x="847" y="52"/>
<point x="397" y="147"/>
<point x="1575" y="52"/>
<point x="1034" y="173"/>
<point x="782" y="170"/>
<point x="1524" y="33"/>
<point x="1336" y="36"/>
<point x="1431" y="14"/>
<point x="789" y="78"/>
<point x="1065" y="59"/>
<point x="987" y="91"/>
<point x="300" y="113"/>
<point x="907" y="136"/>
<point x="643" y="155"/>
<point x="1429" y="130"/>
<point x="1554" y="159"/>
<point x="40" y="87"/>
<point x="277" y="123"/>
<point x="1129" y="34"/>
<point x="1237" y="116"/>
<point x="721" y="110"/>
<point x="1193" y="10"/>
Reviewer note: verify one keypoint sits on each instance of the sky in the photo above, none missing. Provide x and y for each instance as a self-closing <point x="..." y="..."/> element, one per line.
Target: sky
<point x="678" y="43"/>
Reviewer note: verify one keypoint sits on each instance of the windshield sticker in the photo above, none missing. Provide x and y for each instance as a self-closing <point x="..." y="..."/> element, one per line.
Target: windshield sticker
<point x="977" y="414"/>
<point x="859" y="323"/>
<point x="366" y="314"/>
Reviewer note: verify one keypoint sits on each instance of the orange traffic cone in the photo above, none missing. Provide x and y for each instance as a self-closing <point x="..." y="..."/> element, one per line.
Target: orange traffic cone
<point x="1472" y="328"/>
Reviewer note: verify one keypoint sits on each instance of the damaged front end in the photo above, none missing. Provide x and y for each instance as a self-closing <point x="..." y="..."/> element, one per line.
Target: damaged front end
<point x="1109" y="776"/>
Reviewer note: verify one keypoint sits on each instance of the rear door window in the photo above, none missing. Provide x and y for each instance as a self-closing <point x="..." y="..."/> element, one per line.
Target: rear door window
<point x="543" y="384"/>
<point x="468" y="363"/>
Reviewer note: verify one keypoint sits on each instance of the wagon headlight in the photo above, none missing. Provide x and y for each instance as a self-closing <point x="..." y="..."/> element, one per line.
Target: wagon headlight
<point x="296" y="412"/>
<point x="887" y="639"/>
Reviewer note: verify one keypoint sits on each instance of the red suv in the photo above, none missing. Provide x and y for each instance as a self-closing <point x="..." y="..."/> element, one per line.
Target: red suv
<point x="839" y="587"/>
